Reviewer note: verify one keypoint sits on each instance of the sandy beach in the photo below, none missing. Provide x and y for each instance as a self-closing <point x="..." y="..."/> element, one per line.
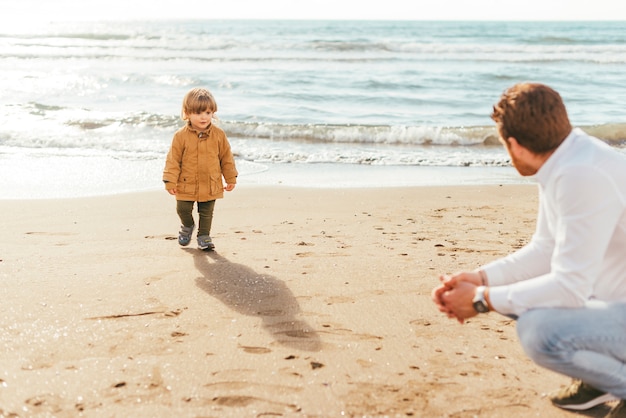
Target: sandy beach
<point x="316" y="303"/>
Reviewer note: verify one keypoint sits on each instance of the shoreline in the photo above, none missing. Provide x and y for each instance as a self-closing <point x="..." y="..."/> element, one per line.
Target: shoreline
<point x="107" y="177"/>
<point x="316" y="302"/>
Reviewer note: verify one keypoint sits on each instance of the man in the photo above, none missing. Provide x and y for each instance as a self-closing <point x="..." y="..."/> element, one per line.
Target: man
<point x="567" y="287"/>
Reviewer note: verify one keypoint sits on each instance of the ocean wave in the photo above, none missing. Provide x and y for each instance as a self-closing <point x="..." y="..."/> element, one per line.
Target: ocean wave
<point x="364" y="134"/>
<point x="553" y="40"/>
<point x="285" y="144"/>
<point x="165" y="46"/>
<point x="339" y="52"/>
<point x="388" y="134"/>
<point x="88" y="122"/>
<point x="144" y="120"/>
<point x="374" y="157"/>
<point x="83" y="36"/>
<point x="359" y="46"/>
<point x="614" y="134"/>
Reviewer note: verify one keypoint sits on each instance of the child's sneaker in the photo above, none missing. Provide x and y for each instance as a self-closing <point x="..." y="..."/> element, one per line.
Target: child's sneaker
<point x="184" y="236"/>
<point x="205" y="243"/>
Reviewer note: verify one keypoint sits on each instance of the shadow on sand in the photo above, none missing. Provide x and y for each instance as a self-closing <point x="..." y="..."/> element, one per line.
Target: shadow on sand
<point x="250" y="293"/>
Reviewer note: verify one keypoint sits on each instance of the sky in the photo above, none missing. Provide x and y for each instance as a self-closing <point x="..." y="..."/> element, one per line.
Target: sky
<point x="29" y="12"/>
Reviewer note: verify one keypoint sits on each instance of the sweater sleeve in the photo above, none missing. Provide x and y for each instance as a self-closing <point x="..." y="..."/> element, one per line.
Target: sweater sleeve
<point x="586" y="210"/>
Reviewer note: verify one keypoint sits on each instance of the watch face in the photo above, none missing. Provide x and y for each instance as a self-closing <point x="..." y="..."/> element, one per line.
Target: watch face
<point x="481" y="307"/>
<point x="479" y="303"/>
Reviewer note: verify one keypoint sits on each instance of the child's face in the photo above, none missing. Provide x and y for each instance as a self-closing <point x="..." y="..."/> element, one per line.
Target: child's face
<point x="201" y="121"/>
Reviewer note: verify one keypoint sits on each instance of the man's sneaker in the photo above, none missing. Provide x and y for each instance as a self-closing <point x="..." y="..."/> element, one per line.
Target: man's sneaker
<point x="580" y="396"/>
<point x="618" y="411"/>
<point x="204" y="243"/>
<point x="184" y="236"/>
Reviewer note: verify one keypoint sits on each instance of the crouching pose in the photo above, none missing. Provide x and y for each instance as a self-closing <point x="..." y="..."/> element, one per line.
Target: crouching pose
<point x="567" y="287"/>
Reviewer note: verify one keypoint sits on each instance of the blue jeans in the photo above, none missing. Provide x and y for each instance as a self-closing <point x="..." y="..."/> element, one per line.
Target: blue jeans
<point x="584" y="343"/>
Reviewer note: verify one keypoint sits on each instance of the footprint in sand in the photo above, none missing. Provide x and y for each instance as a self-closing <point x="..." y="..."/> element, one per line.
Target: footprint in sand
<point x="272" y="312"/>
<point x="167" y="237"/>
<point x="274" y="408"/>
<point x="45" y="403"/>
<point x="231" y="385"/>
<point x="339" y="299"/>
<point x="63" y="234"/>
<point x="255" y="350"/>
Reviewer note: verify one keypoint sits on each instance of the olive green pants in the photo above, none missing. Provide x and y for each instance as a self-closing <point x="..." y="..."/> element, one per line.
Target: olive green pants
<point x="184" y="208"/>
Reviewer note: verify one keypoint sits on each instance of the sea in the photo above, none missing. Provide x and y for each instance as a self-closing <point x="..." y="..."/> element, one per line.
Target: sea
<point x="90" y="108"/>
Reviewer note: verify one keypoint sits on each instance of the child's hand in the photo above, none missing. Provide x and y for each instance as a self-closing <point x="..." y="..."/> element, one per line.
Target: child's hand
<point x="229" y="187"/>
<point x="172" y="192"/>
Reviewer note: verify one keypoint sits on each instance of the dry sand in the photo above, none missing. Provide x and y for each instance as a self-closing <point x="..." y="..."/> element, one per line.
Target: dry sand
<point x="316" y="303"/>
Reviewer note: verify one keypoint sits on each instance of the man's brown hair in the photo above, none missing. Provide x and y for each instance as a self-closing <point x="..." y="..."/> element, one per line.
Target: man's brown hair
<point x="533" y="114"/>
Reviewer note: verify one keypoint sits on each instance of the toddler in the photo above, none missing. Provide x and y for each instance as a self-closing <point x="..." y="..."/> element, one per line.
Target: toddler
<point x="197" y="164"/>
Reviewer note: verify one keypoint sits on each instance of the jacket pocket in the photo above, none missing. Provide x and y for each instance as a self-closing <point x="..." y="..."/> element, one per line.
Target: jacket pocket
<point x="217" y="187"/>
<point x="188" y="185"/>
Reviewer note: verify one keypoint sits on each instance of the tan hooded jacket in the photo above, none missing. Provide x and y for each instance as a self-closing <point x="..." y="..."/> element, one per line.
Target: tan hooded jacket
<point x="196" y="163"/>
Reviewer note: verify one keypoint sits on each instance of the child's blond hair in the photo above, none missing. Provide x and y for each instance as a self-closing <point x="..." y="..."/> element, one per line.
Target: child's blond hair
<point x="197" y="100"/>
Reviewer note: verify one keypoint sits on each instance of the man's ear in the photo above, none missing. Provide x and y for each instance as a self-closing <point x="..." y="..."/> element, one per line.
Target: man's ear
<point x="512" y="142"/>
<point x="515" y="146"/>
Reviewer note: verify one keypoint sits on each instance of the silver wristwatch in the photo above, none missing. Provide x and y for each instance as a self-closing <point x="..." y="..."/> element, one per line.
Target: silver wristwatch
<point x="479" y="302"/>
